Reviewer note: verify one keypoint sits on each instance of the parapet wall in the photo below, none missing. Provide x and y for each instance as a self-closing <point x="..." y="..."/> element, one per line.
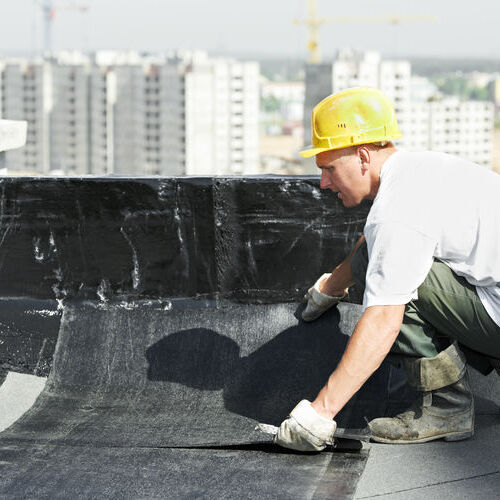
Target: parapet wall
<point x="249" y="240"/>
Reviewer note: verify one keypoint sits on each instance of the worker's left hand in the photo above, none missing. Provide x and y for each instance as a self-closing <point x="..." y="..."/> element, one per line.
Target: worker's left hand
<point x="317" y="301"/>
<point x="305" y="429"/>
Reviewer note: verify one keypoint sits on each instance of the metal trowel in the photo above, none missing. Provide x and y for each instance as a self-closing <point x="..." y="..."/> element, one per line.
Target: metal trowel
<point x="340" y="433"/>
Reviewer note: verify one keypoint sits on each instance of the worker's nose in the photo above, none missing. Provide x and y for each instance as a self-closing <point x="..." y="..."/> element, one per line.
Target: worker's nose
<point x="324" y="182"/>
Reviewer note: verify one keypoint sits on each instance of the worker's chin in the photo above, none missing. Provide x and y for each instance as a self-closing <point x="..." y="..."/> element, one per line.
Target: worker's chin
<point x="348" y="203"/>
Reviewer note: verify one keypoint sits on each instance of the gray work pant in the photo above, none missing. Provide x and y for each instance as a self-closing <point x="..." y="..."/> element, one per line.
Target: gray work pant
<point x="447" y="309"/>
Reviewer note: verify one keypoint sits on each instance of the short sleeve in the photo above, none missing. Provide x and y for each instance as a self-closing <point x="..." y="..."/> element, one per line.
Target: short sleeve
<point x="399" y="259"/>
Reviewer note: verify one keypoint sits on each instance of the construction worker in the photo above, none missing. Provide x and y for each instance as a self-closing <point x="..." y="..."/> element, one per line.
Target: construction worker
<point x="428" y="263"/>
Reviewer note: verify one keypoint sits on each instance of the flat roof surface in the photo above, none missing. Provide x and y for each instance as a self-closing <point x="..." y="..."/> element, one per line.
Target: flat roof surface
<point x="465" y="469"/>
<point x="80" y="460"/>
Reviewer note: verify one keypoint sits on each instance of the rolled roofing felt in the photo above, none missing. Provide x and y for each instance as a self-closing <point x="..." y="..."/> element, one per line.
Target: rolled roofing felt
<point x="132" y="382"/>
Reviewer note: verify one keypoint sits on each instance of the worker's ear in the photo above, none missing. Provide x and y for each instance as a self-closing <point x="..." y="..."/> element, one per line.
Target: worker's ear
<point x="364" y="158"/>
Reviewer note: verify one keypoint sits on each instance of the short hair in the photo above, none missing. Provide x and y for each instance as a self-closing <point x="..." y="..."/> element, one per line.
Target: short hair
<point x="371" y="145"/>
<point x="379" y="145"/>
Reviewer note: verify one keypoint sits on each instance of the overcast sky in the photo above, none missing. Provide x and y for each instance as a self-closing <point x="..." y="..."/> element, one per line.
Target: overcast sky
<point x="256" y="27"/>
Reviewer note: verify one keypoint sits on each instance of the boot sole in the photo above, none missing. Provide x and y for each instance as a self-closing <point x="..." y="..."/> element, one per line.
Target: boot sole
<point x="454" y="436"/>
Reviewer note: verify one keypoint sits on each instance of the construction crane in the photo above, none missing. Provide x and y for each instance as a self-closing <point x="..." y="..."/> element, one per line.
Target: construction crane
<point x="313" y="22"/>
<point x="49" y="14"/>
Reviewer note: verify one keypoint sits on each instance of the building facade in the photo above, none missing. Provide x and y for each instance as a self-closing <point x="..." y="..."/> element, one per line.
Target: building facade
<point x="128" y="114"/>
<point x="69" y="136"/>
<point x="26" y="94"/>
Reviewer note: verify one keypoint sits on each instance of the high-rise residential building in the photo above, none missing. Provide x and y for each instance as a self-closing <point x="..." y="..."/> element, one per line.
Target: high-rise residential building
<point x="139" y="115"/>
<point x="26" y="94"/>
<point x="448" y="124"/>
<point x="144" y="117"/>
<point x="352" y="69"/>
<point x="173" y="137"/>
<point x="440" y="124"/>
<point x="319" y="84"/>
<point x="69" y="116"/>
<point x="187" y="114"/>
<point x="462" y="128"/>
<point x="221" y="103"/>
<point x="101" y="114"/>
<point x="395" y="81"/>
<point x="117" y="113"/>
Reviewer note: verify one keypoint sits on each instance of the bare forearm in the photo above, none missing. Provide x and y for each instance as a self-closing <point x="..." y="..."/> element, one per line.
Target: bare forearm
<point x="341" y="277"/>
<point x="371" y="341"/>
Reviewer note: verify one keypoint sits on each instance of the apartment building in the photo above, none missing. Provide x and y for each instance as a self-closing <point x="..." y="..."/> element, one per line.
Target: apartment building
<point x="101" y="115"/>
<point x="462" y="128"/>
<point x="69" y="115"/>
<point x="187" y="114"/>
<point x="222" y="107"/>
<point x="26" y="94"/>
<point x="175" y="114"/>
<point x="319" y="84"/>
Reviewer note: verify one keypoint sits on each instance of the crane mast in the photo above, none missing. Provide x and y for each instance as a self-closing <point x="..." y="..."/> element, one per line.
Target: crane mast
<point x="47" y="25"/>
<point x="49" y="13"/>
<point x="313" y="22"/>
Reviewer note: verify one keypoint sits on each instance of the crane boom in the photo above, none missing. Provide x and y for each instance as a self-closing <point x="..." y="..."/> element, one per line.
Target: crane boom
<point x="313" y="22"/>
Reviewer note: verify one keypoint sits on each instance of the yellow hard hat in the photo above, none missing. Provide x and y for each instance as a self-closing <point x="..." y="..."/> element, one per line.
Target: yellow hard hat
<point x="354" y="116"/>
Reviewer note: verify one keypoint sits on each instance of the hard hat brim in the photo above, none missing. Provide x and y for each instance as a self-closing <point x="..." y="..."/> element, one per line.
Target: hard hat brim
<point x="311" y="151"/>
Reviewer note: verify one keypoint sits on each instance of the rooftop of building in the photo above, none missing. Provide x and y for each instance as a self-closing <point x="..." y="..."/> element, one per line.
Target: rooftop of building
<point x="466" y="469"/>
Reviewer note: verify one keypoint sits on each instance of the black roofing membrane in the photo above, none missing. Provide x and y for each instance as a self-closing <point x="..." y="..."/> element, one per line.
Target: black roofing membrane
<point x="130" y="385"/>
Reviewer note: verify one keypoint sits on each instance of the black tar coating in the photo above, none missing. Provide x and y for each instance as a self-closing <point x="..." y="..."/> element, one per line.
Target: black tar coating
<point x="128" y="387"/>
<point x="254" y="240"/>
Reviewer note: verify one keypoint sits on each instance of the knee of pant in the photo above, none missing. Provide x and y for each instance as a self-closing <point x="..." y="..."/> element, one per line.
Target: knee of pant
<point x="359" y="264"/>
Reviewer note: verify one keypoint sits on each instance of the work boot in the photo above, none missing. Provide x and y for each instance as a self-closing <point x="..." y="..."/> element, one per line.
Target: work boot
<point x="445" y="409"/>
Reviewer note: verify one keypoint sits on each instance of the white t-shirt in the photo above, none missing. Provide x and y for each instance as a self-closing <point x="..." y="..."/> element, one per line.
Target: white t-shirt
<point x="433" y="205"/>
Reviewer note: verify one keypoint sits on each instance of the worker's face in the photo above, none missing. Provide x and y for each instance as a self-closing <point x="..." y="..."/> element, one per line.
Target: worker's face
<point x="343" y="172"/>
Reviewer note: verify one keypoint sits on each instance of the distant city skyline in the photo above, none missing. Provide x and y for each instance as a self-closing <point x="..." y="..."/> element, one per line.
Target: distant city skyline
<point x="256" y="29"/>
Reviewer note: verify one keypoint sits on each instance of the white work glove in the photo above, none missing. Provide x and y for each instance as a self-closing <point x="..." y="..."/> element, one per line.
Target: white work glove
<point x="318" y="302"/>
<point x="305" y="430"/>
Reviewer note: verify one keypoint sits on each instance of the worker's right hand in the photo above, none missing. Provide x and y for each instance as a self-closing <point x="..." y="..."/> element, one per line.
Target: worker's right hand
<point x="305" y="429"/>
<point x="319" y="302"/>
